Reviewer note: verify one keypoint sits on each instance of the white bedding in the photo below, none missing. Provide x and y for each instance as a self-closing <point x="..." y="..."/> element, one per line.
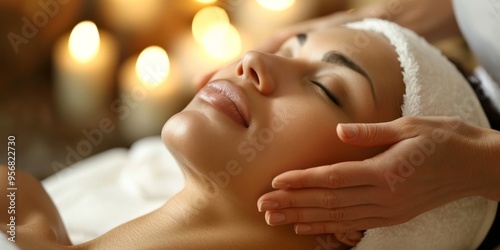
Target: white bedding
<point x="111" y="188"/>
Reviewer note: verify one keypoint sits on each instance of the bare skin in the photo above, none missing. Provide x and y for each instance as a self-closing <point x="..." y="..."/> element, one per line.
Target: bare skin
<point x="37" y="221"/>
<point x="287" y="97"/>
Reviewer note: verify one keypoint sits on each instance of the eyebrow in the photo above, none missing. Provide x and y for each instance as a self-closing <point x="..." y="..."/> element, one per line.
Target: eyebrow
<point x="337" y="58"/>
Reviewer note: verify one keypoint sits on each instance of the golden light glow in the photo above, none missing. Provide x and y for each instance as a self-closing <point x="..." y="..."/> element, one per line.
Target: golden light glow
<point x="206" y="1"/>
<point x="152" y="66"/>
<point x="84" y="41"/>
<point x="207" y="17"/>
<point x="222" y="42"/>
<point x="276" y="5"/>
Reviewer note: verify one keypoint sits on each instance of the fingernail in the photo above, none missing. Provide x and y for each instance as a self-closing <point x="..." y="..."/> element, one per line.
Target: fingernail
<point x="280" y="185"/>
<point x="267" y="205"/>
<point x="275" y="218"/>
<point x="300" y="229"/>
<point x="349" y="131"/>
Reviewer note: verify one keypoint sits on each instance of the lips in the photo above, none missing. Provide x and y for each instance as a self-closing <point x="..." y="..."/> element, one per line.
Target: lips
<point x="228" y="98"/>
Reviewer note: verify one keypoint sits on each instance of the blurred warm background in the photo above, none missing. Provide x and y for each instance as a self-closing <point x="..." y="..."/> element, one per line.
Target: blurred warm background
<point x="81" y="76"/>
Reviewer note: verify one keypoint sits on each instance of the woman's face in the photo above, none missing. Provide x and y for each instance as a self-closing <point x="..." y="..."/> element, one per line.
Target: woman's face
<point x="269" y="113"/>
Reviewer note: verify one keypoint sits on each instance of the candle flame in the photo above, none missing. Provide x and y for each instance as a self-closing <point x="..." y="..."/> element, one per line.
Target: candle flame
<point x="152" y="66"/>
<point x="84" y="41"/>
<point x="222" y="42"/>
<point x="276" y="5"/>
<point x="207" y="17"/>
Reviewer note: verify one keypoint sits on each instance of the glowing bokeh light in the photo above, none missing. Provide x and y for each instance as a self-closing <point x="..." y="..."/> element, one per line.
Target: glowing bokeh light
<point x="207" y="17"/>
<point x="152" y="66"/>
<point x="84" y="41"/>
<point x="222" y="42"/>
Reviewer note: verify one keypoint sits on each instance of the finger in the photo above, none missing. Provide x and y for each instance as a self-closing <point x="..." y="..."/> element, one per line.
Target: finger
<point x="340" y="227"/>
<point x="374" y="134"/>
<point x="351" y="238"/>
<point x="344" y="174"/>
<point x="317" y="197"/>
<point x="354" y="237"/>
<point x="312" y="215"/>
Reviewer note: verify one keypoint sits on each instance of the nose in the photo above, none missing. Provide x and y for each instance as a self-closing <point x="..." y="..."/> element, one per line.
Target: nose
<point x="254" y="67"/>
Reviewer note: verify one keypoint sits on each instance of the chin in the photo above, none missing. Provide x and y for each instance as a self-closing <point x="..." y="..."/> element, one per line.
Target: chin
<point x="199" y="140"/>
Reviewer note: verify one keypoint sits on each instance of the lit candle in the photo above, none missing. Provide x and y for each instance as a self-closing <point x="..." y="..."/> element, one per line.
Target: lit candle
<point x="214" y="41"/>
<point x="150" y="93"/>
<point x="84" y="64"/>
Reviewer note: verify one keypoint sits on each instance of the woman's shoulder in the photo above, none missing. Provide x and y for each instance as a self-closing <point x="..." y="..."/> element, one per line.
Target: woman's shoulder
<point x="31" y="219"/>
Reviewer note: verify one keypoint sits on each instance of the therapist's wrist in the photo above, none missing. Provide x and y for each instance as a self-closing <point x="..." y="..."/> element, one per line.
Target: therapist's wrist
<point x="488" y="165"/>
<point x="493" y="191"/>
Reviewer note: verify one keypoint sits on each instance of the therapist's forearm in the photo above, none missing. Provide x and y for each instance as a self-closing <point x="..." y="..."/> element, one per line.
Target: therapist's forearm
<point x="432" y="19"/>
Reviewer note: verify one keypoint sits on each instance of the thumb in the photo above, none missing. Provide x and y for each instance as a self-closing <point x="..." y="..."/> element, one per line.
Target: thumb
<point x="370" y="134"/>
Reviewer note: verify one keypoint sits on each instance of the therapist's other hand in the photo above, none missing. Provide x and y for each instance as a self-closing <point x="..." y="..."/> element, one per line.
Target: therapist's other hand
<point x="432" y="161"/>
<point x="432" y="19"/>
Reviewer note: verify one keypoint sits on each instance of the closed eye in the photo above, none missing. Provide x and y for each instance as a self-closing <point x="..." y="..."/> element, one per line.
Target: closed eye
<point x="326" y="91"/>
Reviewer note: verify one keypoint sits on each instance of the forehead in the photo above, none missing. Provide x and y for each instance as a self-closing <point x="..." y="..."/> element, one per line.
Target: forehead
<point x="357" y="44"/>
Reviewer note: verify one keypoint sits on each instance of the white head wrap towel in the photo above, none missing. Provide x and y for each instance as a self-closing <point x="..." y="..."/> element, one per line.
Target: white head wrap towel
<point x="434" y="87"/>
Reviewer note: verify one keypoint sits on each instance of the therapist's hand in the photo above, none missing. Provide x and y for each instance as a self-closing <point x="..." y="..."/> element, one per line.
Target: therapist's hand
<point x="432" y="161"/>
<point x="432" y="19"/>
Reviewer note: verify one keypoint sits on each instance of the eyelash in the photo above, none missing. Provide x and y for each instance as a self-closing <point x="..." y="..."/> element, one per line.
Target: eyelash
<point x="326" y="91"/>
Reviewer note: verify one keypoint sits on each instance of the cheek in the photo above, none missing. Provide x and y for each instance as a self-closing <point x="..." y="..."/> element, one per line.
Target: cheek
<point x="318" y="142"/>
<point x="306" y="135"/>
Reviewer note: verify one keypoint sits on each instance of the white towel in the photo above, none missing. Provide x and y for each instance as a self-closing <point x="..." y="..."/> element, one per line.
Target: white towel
<point x="106" y="190"/>
<point x="434" y="87"/>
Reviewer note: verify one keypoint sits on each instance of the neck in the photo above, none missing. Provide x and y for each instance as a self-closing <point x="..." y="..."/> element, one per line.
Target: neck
<point x="203" y="216"/>
<point x="217" y="221"/>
